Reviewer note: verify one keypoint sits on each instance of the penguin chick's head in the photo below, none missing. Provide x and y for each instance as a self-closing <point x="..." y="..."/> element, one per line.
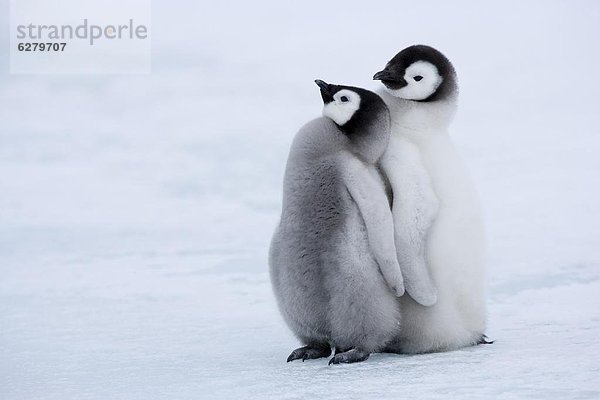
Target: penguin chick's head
<point x="360" y="114"/>
<point x="419" y="73"/>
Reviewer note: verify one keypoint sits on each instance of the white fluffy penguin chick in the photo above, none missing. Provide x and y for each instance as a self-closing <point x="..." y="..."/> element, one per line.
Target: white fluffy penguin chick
<point x="332" y="259"/>
<point x="435" y="206"/>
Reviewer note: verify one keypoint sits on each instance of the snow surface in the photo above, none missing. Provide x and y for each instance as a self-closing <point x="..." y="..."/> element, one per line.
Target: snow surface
<point x="136" y="211"/>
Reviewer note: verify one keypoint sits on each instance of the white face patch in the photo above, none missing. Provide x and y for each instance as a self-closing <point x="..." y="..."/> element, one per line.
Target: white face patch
<point x="342" y="108"/>
<point x="422" y="78"/>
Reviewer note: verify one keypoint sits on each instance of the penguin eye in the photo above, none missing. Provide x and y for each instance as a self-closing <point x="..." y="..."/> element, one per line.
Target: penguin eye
<point x="417" y="78"/>
<point x="343" y="99"/>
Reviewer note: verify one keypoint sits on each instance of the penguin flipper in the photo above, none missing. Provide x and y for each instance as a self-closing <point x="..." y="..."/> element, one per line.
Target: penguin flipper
<point x="418" y="282"/>
<point x="414" y="207"/>
<point x="370" y="197"/>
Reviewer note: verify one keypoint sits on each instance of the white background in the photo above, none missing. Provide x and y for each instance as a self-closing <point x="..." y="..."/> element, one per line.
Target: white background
<point x="136" y="211"/>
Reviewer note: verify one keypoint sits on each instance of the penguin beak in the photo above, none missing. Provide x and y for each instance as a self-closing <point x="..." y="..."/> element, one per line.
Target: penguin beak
<point x="326" y="91"/>
<point x="384" y="75"/>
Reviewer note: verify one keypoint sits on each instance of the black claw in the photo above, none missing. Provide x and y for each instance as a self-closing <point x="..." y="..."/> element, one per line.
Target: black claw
<point x="484" y="340"/>
<point x="294" y="356"/>
<point x="350" y="356"/>
<point x="310" y="352"/>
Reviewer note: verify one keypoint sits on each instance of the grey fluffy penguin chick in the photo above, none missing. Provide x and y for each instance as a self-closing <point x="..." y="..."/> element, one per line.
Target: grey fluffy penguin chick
<point x="332" y="259"/>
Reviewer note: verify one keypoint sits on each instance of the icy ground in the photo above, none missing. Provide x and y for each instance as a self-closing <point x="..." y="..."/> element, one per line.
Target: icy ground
<point x="136" y="211"/>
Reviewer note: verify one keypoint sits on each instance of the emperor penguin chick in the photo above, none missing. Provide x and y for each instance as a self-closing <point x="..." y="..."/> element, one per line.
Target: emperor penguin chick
<point x="435" y="208"/>
<point x="332" y="259"/>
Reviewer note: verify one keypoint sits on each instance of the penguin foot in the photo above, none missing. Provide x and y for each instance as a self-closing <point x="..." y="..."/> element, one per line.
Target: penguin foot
<point x="350" y="356"/>
<point x="483" y="339"/>
<point x="392" y="350"/>
<point x="310" y="352"/>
